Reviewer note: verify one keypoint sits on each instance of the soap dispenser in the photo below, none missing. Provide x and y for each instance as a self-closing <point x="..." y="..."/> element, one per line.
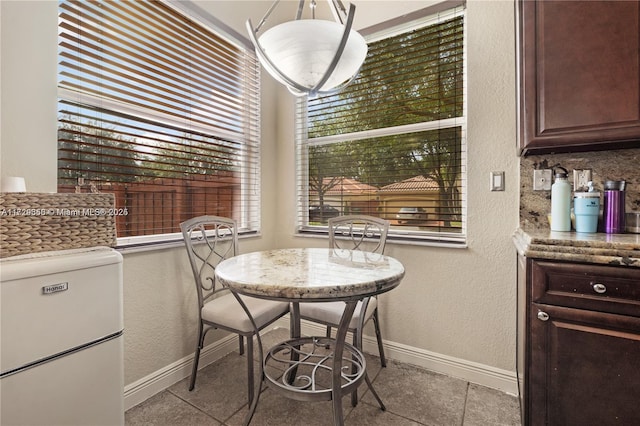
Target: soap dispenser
<point x="561" y="201"/>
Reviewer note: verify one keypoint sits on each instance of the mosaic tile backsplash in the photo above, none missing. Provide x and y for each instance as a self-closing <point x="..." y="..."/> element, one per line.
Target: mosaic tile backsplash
<point x="621" y="164"/>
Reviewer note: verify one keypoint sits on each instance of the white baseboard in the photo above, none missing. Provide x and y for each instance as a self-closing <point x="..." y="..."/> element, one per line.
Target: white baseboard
<point x="145" y="388"/>
<point x="469" y="371"/>
<point x="495" y="378"/>
<point x="481" y="374"/>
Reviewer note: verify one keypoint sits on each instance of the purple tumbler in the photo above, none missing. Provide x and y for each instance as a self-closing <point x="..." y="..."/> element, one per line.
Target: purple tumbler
<point x="613" y="213"/>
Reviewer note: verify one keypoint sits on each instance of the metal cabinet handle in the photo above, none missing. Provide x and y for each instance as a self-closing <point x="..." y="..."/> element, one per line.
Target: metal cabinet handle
<point x="599" y="288"/>
<point x="543" y="316"/>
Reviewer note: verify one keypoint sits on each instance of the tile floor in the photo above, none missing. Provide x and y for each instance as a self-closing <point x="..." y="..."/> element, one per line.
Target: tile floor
<point x="412" y="395"/>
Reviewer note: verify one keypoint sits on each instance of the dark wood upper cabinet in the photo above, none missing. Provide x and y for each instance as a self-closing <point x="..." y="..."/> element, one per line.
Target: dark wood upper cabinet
<point x="579" y="75"/>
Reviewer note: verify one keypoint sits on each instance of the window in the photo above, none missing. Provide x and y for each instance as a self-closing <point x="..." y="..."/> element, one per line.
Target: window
<point x="393" y="143"/>
<point x="160" y="110"/>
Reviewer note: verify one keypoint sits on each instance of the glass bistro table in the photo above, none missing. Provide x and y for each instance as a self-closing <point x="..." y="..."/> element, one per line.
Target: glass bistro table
<point x="311" y="368"/>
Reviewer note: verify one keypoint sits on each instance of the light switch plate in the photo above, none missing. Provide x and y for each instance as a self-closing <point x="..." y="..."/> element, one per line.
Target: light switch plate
<point x="497" y="181"/>
<point x="542" y="180"/>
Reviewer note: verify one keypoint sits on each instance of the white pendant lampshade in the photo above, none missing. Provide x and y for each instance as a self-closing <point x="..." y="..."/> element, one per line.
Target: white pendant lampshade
<point x="311" y="56"/>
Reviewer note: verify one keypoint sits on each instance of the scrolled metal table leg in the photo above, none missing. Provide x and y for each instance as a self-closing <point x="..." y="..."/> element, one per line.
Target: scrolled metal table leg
<point x="341" y="335"/>
<point x="373" y="391"/>
<point x="295" y="334"/>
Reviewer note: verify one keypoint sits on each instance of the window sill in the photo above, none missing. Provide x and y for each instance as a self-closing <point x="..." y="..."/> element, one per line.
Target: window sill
<point x="424" y="242"/>
<point x="164" y="244"/>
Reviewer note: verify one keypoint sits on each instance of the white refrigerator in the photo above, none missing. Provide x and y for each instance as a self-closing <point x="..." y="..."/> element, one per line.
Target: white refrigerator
<point x="61" y="347"/>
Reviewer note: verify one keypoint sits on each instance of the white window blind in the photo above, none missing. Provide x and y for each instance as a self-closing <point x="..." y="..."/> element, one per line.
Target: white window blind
<point x="159" y="110"/>
<point x="393" y="143"/>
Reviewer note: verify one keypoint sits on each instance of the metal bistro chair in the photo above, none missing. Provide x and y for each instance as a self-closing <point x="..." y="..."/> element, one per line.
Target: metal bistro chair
<point x="209" y="240"/>
<point x="355" y="232"/>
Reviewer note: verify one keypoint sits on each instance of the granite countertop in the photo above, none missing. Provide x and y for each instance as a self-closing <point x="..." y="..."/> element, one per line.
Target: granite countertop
<point x="599" y="248"/>
<point x="312" y="274"/>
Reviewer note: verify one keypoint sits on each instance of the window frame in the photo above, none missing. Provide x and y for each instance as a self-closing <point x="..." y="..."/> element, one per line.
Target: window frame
<point x="419" y="19"/>
<point x="247" y="212"/>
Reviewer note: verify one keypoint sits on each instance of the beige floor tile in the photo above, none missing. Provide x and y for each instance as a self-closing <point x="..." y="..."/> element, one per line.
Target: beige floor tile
<point x="275" y="409"/>
<point x="487" y="406"/>
<point x="420" y="395"/>
<point x="221" y="388"/>
<point x="166" y="409"/>
<point x="412" y="395"/>
<point x="370" y="415"/>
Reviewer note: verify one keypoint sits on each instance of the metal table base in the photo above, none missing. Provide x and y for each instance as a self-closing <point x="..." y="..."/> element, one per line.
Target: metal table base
<point x="324" y="375"/>
<point x="302" y="369"/>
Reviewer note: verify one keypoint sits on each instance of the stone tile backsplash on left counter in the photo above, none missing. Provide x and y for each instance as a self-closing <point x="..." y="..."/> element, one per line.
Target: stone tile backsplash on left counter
<point x="621" y="164"/>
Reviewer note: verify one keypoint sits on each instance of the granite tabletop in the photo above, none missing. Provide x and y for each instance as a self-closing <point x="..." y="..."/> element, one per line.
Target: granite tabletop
<point x="312" y="274"/>
<point x="598" y="248"/>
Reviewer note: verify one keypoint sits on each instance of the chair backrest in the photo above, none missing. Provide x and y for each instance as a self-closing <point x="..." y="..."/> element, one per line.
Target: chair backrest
<point x="358" y="232"/>
<point x="208" y="240"/>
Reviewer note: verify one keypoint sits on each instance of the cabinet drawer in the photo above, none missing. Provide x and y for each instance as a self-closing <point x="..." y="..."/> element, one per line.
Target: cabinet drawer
<point x="593" y="287"/>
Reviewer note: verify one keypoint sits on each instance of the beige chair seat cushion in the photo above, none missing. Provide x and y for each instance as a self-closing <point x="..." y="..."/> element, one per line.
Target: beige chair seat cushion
<point x="227" y="312"/>
<point x="331" y="312"/>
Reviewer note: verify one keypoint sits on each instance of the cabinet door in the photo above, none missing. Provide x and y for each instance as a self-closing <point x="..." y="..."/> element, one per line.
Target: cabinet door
<point x="579" y="75"/>
<point x="584" y="367"/>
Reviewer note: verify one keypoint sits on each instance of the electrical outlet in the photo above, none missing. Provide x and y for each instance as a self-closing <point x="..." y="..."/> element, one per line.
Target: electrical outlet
<point x="580" y="179"/>
<point x="542" y="180"/>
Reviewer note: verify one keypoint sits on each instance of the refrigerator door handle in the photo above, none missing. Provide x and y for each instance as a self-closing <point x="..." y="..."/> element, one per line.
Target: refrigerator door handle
<point x="61" y="354"/>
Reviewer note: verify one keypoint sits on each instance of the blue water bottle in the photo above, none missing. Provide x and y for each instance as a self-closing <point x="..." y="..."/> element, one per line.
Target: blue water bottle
<point x="587" y="208"/>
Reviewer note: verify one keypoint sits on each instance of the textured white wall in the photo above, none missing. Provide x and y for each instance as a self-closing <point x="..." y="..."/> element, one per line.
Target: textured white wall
<point x="159" y="295"/>
<point x="28" y="137"/>
<point x="456" y="302"/>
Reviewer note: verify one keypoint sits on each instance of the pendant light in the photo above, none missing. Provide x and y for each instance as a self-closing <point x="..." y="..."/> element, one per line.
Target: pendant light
<point x="311" y="56"/>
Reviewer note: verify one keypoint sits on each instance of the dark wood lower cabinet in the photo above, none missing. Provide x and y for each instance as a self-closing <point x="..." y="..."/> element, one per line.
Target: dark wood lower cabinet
<point x="581" y="366"/>
<point x="585" y="367"/>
